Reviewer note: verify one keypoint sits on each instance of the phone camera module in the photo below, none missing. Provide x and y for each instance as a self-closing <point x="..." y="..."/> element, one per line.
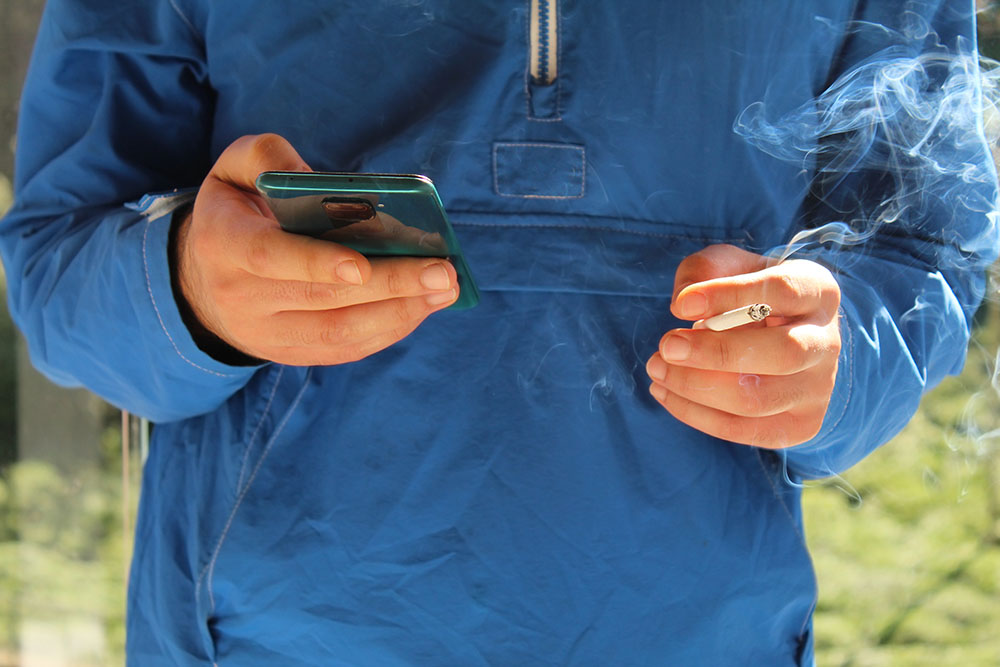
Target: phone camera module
<point x="344" y="211"/>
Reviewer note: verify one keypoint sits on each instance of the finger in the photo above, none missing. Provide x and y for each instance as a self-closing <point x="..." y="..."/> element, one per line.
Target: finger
<point x="343" y="355"/>
<point x="342" y="335"/>
<point x="244" y="160"/>
<point x="238" y="226"/>
<point x="246" y="241"/>
<point x="230" y="185"/>
<point x="794" y="288"/>
<point x="715" y="261"/>
<point x="743" y="394"/>
<point x="782" y="350"/>
<point x="390" y="279"/>
<point x="772" y="432"/>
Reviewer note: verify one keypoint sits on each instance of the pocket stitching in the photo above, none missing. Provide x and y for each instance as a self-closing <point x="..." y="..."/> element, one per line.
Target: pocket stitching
<point x="207" y="573"/>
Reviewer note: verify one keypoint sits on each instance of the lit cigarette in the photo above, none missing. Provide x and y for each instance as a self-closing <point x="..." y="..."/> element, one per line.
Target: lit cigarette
<point x="735" y="318"/>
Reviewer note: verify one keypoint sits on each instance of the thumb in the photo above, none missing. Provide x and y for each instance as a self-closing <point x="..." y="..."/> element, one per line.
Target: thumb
<point x="244" y="159"/>
<point x="714" y="261"/>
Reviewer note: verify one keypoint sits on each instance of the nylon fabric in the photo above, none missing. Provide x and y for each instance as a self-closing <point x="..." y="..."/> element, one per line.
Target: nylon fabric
<point x="498" y="488"/>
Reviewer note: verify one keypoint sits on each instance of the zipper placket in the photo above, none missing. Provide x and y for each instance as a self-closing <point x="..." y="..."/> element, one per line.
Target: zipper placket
<point x="544" y="42"/>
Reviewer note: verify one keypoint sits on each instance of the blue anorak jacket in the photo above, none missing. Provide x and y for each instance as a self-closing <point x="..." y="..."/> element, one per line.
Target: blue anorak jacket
<point x="499" y="488"/>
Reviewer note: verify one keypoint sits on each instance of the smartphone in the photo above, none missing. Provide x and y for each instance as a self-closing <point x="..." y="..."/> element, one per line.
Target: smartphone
<point x="379" y="215"/>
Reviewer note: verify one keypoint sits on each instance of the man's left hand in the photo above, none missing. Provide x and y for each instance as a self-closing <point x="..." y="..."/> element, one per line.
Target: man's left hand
<point x="764" y="384"/>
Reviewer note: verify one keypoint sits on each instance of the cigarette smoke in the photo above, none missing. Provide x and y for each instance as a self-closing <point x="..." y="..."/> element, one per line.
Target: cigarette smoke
<point x="896" y="149"/>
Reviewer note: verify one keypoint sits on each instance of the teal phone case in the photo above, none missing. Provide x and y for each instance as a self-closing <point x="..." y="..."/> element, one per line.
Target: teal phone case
<point x="379" y="215"/>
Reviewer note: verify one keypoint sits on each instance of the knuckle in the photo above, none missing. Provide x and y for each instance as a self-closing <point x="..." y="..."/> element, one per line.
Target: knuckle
<point x="306" y="293"/>
<point x="790" y="396"/>
<point x="295" y="337"/>
<point x="227" y="296"/>
<point x="787" y="287"/>
<point x="315" y="295"/>
<point x="257" y="254"/>
<point x="723" y="353"/>
<point x="682" y="379"/>
<point x="338" y="330"/>
<point x="698" y="262"/>
<point x="798" y="349"/>
<point x="830" y="286"/>
<point x="395" y="284"/>
<point x="822" y="276"/>
<point x="326" y="296"/>
<point x="692" y="267"/>
<point x="756" y="400"/>
<point x="399" y="310"/>
<point x="318" y="268"/>
<point x="313" y="333"/>
<point x="772" y="434"/>
<point x="732" y="428"/>
<point x="782" y="399"/>
<point x="263" y="146"/>
<point x="751" y="396"/>
<point x="333" y="335"/>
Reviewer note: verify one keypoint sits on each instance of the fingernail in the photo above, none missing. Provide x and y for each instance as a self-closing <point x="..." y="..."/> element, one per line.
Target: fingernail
<point x="676" y="348"/>
<point x="657" y="369"/>
<point x="658" y="392"/>
<point x="440" y="298"/>
<point x="435" y="277"/>
<point x="693" y="305"/>
<point x="349" y="272"/>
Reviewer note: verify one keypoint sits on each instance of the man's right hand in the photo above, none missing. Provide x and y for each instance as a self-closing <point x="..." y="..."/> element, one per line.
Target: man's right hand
<point x="288" y="298"/>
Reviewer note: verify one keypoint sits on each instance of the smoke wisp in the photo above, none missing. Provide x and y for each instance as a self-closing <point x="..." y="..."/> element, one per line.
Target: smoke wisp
<point x="896" y="146"/>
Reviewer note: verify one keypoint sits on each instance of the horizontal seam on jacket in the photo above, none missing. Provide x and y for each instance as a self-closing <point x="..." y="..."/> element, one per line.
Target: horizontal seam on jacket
<point x="159" y="316"/>
<point x="715" y="239"/>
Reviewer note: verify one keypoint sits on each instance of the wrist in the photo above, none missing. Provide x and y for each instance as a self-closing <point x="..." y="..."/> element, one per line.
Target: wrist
<point x="207" y="341"/>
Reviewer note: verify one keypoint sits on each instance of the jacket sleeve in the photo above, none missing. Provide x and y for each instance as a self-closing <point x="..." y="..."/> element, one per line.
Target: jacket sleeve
<point x="919" y="203"/>
<point x="116" y="105"/>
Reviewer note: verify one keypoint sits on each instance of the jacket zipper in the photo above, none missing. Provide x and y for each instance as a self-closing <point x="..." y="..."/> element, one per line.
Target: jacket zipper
<point x="544" y="42"/>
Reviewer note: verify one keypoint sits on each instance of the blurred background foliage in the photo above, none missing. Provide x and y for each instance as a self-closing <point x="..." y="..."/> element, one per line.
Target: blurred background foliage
<point x="906" y="544"/>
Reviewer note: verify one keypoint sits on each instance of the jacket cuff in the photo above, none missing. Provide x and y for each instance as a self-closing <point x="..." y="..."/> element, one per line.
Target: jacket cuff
<point x="159" y="212"/>
<point x="809" y="457"/>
